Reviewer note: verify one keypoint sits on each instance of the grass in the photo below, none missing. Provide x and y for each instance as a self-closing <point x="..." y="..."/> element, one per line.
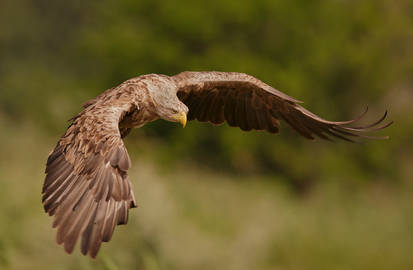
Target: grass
<point x="189" y="218"/>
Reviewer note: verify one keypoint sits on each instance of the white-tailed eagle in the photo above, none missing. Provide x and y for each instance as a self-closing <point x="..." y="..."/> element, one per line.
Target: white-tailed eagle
<point x="87" y="189"/>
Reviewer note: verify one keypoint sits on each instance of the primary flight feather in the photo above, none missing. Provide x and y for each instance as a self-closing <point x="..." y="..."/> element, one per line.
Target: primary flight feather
<point x="87" y="189"/>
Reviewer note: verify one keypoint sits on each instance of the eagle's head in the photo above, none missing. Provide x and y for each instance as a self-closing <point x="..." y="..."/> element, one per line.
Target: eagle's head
<point x="174" y="111"/>
<point x="167" y="105"/>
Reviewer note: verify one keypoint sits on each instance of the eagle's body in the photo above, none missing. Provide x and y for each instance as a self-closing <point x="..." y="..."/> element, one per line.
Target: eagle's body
<point x="87" y="188"/>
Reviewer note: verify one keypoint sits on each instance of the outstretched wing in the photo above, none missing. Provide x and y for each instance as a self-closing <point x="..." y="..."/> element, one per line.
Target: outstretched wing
<point x="86" y="187"/>
<point x="246" y="102"/>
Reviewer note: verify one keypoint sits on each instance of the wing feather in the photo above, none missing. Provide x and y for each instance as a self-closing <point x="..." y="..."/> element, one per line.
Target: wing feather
<point x="86" y="187"/>
<point x="229" y="109"/>
<point x="249" y="104"/>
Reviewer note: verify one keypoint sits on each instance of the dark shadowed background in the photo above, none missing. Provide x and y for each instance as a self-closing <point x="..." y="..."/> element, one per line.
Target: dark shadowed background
<point x="217" y="197"/>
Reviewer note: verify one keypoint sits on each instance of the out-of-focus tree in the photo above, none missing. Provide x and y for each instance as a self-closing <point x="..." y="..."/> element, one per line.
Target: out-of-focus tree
<point x="335" y="55"/>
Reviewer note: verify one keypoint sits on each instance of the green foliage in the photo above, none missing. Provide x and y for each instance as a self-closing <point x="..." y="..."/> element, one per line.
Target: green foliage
<point x="335" y="55"/>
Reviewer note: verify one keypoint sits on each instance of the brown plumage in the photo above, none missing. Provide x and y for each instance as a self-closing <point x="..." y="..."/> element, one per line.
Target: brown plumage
<point x="87" y="189"/>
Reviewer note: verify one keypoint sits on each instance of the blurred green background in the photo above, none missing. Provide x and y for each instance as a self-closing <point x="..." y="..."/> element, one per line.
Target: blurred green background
<point x="217" y="197"/>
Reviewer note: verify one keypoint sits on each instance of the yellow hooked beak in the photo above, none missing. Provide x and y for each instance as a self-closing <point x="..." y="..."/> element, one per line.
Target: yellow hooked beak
<point x="180" y="118"/>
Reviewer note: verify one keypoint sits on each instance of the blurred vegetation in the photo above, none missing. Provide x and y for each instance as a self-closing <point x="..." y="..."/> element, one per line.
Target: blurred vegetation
<point x="217" y="197"/>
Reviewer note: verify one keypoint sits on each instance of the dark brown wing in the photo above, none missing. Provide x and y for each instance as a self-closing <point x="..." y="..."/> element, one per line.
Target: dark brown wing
<point x="86" y="187"/>
<point x="246" y="102"/>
